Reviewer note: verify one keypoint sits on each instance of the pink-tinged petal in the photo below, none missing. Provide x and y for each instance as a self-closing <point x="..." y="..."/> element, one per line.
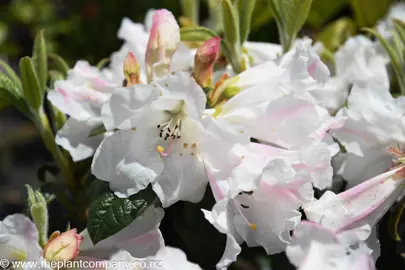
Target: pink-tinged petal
<point x="306" y="233"/>
<point x="63" y="247"/>
<point x="163" y="40"/>
<point x="204" y="60"/>
<point x="351" y="214"/>
<point x="314" y="247"/>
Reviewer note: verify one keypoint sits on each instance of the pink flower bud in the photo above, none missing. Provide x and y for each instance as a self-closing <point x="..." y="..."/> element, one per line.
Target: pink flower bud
<point x="204" y="60"/>
<point x="163" y="40"/>
<point x="64" y="247"/>
<point x="131" y="70"/>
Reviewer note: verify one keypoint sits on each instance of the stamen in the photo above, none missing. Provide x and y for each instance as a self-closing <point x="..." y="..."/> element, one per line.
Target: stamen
<point x="161" y="150"/>
<point x="251" y="225"/>
<point x="171" y="128"/>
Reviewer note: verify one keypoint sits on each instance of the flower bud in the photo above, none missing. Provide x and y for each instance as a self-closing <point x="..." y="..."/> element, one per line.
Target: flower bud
<point x="131" y="70"/>
<point x="163" y="40"/>
<point x="64" y="247"/>
<point x="204" y="60"/>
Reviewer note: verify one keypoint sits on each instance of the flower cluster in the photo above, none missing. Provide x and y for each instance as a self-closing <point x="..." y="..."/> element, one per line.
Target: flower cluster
<point x="174" y="121"/>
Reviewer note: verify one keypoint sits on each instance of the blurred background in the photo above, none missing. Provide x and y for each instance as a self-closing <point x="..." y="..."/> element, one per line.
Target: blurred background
<point x="87" y="29"/>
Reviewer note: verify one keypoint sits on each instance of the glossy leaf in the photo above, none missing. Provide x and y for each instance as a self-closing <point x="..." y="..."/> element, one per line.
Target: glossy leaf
<point x="110" y="214"/>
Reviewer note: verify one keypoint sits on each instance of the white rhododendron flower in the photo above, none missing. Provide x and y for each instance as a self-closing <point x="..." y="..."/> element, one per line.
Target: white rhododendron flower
<point x="167" y="258"/>
<point x="258" y="203"/>
<point x="19" y="239"/>
<point x="374" y="121"/>
<point x="352" y="214"/>
<point x="162" y="141"/>
<point x="314" y="247"/>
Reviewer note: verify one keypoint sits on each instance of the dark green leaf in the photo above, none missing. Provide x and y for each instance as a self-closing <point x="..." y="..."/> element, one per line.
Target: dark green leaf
<point x="196" y="34"/>
<point x="110" y="214"/>
<point x="39" y="60"/>
<point x="30" y="82"/>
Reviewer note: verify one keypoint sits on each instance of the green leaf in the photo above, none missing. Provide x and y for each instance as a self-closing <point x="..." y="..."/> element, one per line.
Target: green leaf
<point x="323" y="11"/>
<point x="231" y="22"/>
<point x="400" y="28"/>
<point x="290" y="16"/>
<point x="39" y="59"/>
<point x="11" y="94"/>
<point x="261" y="14"/>
<point x="196" y="34"/>
<point x="245" y="10"/>
<point x="336" y="33"/>
<point x="191" y="9"/>
<point x="110" y="214"/>
<point x="102" y="63"/>
<point x="368" y="12"/>
<point x="30" y="82"/>
<point x="395" y="60"/>
<point x="59" y="63"/>
<point x="10" y="72"/>
<point x="98" y="131"/>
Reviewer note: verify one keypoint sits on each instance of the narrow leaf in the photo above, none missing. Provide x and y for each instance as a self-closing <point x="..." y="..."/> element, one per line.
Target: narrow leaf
<point x="59" y="63"/>
<point x="39" y="60"/>
<point x="30" y="82"/>
<point x="196" y="34"/>
<point x="110" y="214"/>
<point x="231" y="22"/>
<point x="395" y="61"/>
<point x="324" y="11"/>
<point x="103" y="63"/>
<point x="191" y="9"/>
<point x="98" y="131"/>
<point x="400" y="27"/>
<point x="11" y="94"/>
<point x="295" y="13"/>
<point x="245" y="10"/>
<point x="10" y="72"/>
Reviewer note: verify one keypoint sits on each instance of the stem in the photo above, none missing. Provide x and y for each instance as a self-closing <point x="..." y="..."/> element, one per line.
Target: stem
<point x="49" y="140"/>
